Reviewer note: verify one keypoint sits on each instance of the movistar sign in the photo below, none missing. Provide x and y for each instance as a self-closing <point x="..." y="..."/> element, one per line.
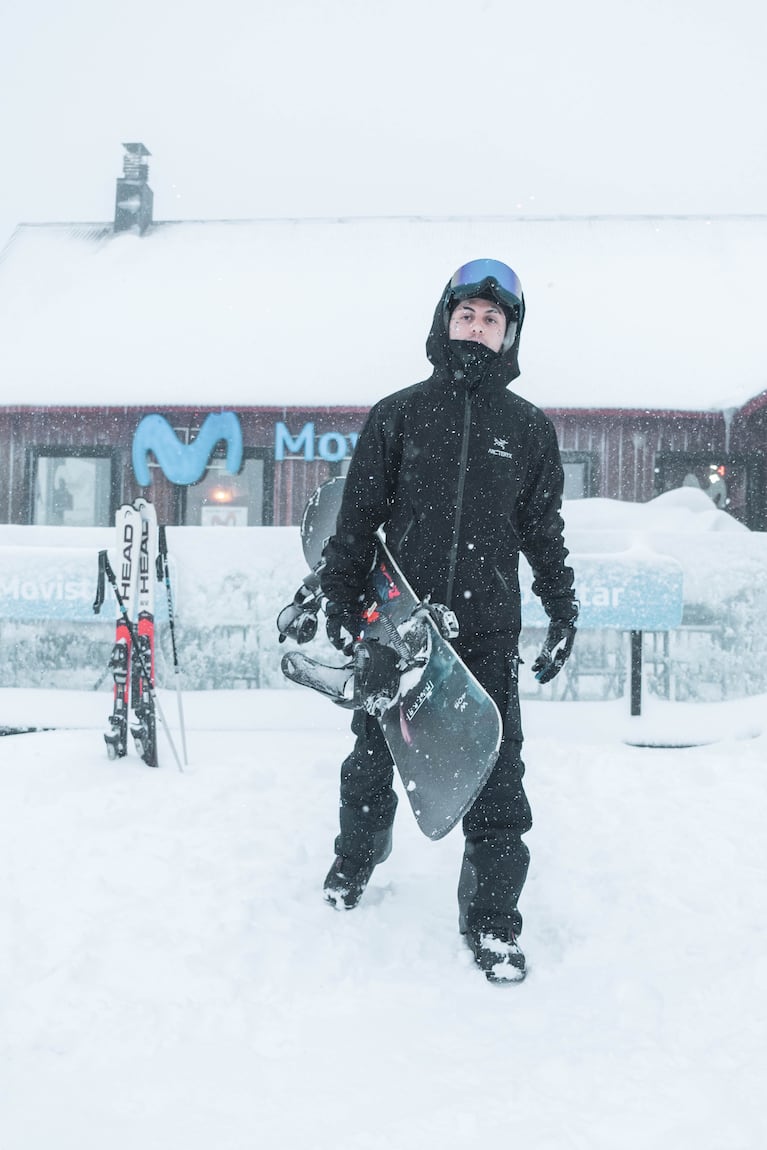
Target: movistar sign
<point x="333" y="446"/>
<point x="185" y="463"/>
<point x="620" y="591"/>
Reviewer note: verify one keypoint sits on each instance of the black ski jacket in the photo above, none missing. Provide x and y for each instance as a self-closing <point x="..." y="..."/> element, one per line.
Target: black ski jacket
<point x="463" y="475"/>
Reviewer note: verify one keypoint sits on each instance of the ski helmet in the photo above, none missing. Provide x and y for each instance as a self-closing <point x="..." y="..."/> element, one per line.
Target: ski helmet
<point x="489" y="279"/>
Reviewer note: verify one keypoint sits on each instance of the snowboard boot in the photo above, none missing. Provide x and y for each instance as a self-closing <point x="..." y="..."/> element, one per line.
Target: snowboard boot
<point x="498" y="955"/>
<point x="346" y="881"/>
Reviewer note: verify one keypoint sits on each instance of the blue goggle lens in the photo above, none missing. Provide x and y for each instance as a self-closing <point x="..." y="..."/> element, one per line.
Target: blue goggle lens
<point x="474" y="275"/>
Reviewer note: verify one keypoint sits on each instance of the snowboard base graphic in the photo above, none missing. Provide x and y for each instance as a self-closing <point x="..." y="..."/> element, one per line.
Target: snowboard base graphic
<point x="442" y="728"/>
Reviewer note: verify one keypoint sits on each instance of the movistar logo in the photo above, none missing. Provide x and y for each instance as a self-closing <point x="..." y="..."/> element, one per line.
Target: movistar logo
<point x="185" y="463"/>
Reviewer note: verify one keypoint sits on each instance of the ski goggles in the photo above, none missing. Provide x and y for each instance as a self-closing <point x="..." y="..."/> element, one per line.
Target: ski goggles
<point x="480" y="275"/>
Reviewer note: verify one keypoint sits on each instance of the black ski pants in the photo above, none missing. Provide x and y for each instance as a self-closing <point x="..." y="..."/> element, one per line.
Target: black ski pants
<point x="495" y="859"/>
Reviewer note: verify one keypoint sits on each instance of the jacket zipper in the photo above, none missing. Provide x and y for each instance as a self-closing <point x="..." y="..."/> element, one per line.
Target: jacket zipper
<point x="405" y="533"/>
<point x="459" y="499"/>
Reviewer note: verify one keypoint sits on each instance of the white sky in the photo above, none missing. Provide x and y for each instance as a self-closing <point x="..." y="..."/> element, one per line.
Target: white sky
<point x="327" y="107"/>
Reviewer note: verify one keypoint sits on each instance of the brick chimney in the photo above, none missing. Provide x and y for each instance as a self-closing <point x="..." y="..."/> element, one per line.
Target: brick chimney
<point x="133" y="202"/>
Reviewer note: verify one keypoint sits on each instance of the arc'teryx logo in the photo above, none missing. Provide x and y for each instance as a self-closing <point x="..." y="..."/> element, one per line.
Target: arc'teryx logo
<point x="499" y="448"/>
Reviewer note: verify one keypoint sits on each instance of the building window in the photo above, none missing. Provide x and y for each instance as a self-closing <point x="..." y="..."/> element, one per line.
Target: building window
<point x="580" y="474"/>
<point x="72" y="490"/>
<point x="224" y="500"/>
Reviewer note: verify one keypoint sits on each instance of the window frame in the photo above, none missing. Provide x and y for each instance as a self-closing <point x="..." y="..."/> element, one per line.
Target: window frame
<point x="591" y="459"/>
<point x="38" y="451"/>
<point x="248" y="453"/>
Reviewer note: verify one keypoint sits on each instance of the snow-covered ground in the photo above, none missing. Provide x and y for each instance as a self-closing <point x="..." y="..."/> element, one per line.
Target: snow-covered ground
<point x="171" y="977"/>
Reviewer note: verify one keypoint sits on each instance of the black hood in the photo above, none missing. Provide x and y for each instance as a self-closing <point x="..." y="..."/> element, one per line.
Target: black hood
<point x="445" y="354"/>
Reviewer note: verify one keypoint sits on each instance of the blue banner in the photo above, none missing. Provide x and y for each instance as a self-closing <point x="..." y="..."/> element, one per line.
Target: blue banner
<point x="621" y="592"/>
<point x="47" y="583"/>
<point x="626" y="591"/>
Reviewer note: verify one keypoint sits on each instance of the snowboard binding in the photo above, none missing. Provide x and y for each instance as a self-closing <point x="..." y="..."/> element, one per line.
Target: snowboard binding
<point x="444" y="618"/>
<point x="378" y="671"/>
<point x="298" y="621"/>
<point x="371" y="680"/>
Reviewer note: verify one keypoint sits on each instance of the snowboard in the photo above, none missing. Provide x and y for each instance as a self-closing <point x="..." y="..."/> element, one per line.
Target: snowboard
<point x="442" y="728"/>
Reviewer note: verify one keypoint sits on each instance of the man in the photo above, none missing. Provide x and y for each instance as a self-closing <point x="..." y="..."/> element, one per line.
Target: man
<point x="464" y="475"/>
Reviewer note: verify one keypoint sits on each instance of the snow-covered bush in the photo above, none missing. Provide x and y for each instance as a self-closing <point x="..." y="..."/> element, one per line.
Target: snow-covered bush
<point x="230" y="585"/>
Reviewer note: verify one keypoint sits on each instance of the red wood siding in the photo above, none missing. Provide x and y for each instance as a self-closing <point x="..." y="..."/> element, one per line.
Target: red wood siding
<point x="624" y="445"/>
<point x="23" y="429"/>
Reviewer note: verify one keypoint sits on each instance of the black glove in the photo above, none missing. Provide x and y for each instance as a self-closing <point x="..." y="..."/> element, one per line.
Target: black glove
<point x="556" y="649"/>
<point x="342" y="625"/>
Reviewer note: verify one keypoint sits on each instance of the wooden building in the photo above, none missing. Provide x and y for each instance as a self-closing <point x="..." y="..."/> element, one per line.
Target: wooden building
<point x="148" y="356"/>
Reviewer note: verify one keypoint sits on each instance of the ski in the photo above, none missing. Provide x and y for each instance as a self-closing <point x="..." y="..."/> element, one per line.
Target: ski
<point x="132" y="661"/>
<point x="144" y="728"/>
<point x="133" y="653"/>
<point x="128" y="542"/>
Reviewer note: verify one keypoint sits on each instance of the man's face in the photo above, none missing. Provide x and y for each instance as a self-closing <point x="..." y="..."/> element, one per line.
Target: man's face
<point x="480" y="320"/>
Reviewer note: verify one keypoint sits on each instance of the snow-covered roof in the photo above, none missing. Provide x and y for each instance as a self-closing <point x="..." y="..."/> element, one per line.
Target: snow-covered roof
<point x="642" y="312"/>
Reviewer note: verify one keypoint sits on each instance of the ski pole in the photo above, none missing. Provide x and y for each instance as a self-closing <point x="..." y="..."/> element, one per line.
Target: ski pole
<point x="106" y="567"/>
<point x="102" y="676"/>
<point x="162" y="557"/>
